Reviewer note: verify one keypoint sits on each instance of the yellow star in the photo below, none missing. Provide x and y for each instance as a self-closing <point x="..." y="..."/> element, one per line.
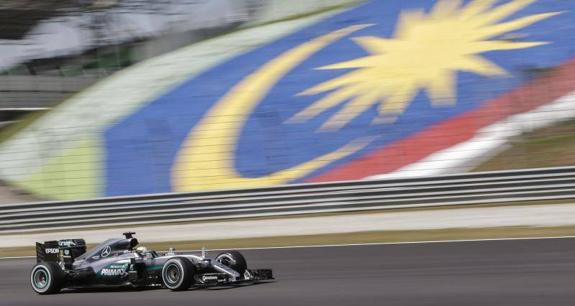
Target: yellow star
<point x="427" y="52"/>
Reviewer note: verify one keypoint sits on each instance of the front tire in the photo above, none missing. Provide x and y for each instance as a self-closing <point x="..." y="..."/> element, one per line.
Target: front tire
<point x="234" y="260"/>
<point x="178" y="274"/>
<point x="47" y="278"/>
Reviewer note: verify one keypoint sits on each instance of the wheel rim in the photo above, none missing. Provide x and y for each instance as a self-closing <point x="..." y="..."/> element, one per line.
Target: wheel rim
<point x="172" y="274"/>
<point x="41" y="279"/>
<point x="226" y="260"/>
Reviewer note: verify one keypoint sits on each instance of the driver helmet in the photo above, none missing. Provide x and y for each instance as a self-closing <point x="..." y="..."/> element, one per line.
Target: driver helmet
<point x="142" y="249"/>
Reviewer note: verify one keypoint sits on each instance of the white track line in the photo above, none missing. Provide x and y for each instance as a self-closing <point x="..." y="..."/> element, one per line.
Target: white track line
<point x="391" y="243"/>
<point x="17" y="257"/>
<point x="361" y="244"/>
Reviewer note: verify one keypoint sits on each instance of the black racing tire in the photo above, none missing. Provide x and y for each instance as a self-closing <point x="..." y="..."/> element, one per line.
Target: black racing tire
<point x="234" y="260"/>
<point x="47" y="278"/>
<point x="178" y="274"/>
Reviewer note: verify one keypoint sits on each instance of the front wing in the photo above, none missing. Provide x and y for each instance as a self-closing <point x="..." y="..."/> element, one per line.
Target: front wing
<point x="250" y="276"/>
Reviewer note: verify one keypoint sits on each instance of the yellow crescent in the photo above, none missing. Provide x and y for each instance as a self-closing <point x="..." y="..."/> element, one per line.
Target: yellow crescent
<point x="206" y="160"/>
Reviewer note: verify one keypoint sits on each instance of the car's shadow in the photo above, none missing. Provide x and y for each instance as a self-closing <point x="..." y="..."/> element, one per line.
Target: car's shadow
<point x="131" y="289"/>
<point x="233" y="286"/>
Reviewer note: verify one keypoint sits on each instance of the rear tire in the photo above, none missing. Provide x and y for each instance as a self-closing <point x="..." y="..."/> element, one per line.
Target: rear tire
<point x="234" y="260"/>
<point x="47" y="278"/>
<point x="178" y="274"/>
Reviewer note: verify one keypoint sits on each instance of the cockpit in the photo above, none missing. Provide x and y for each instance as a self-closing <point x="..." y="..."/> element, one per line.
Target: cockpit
<point x="110" y="248"/>
<point x="145" y="253"/>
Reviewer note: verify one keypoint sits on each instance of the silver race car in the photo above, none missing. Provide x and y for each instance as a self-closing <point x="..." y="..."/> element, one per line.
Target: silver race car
<point x="120" y="262"/>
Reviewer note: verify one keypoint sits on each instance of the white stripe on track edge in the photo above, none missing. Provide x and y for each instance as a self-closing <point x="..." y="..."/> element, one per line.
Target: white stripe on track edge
<point x="360" y="244"/>
<point x="17" y="257"/>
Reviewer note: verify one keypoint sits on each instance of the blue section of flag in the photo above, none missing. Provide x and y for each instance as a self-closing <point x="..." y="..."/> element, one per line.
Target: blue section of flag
<point x="141" y="149"/>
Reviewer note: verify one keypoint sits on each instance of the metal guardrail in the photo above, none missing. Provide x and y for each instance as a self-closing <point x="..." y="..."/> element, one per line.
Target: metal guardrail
<point x="459" y="189"/>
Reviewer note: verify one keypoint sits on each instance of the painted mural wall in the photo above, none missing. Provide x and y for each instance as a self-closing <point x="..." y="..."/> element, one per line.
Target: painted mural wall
<point x="350" y="94"/>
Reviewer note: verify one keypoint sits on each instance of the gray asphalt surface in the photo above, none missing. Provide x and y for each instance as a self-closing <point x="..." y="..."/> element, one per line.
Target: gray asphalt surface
<point x="522" y="272"/>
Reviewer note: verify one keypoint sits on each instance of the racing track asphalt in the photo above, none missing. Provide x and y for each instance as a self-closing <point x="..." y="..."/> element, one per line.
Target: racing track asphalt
<point x="518" y="272"/>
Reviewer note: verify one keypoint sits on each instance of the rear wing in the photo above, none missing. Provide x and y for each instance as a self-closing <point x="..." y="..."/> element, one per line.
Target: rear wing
<point x="62" y="251"/>
<point x="47" y="251"/>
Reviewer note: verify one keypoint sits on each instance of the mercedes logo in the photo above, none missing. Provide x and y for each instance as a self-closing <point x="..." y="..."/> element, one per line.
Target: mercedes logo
<point x="106" y="251"/>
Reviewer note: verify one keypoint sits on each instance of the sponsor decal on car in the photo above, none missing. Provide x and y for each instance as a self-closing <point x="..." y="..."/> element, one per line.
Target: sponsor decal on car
<point x="118" y="266"/>
<point x="115" y="270"/>
<point x="66" y="243"/>
<point x="112" y="272"/>
<point x="208" y="278"/>
<point x="52" y="251"/>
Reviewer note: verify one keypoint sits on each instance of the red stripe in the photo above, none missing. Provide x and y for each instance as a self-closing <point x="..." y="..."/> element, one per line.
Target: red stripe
<point x="458" y="129"/>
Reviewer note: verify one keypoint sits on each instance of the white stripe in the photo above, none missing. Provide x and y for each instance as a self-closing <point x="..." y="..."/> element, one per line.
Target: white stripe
<point x="390" y="243"/>
<point x="465" y="155"/>
<point x="361" y="244"/>
<point x="17" y="257"/>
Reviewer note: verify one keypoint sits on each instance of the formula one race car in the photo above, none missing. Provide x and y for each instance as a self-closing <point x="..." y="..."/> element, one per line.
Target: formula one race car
<point x="119" y="262"/>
